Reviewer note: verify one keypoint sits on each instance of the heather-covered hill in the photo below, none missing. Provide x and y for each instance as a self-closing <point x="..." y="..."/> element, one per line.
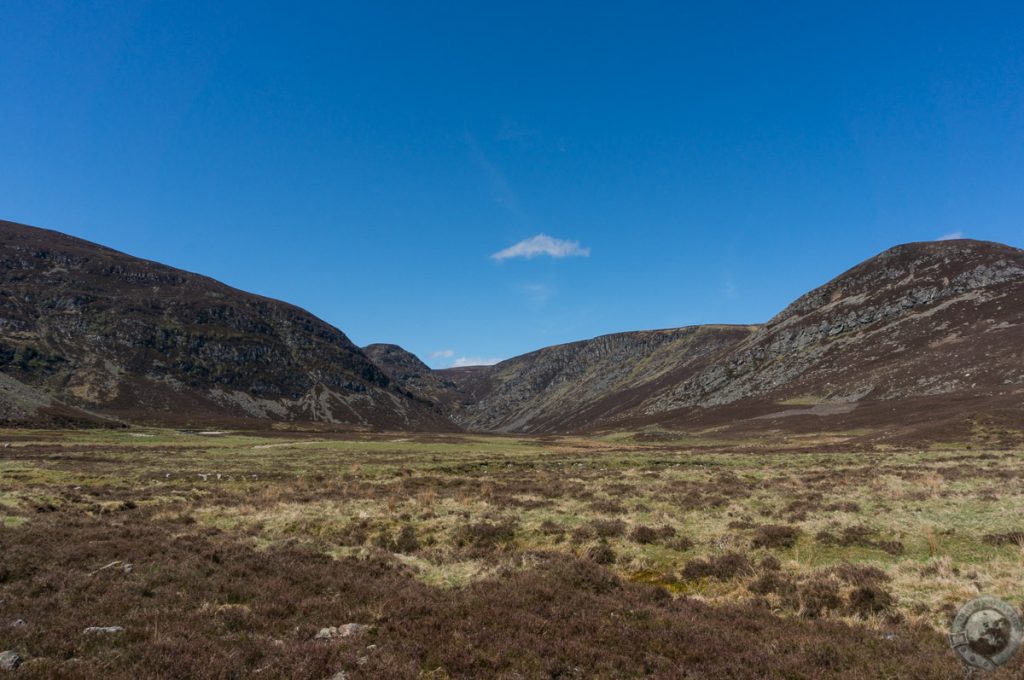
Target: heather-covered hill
<point x="922" y="331"/>
<point x="407" y="371"/>
<point x="586" y="384"/>
<point x="922" y="336"/>
<point x="104" y="331"/>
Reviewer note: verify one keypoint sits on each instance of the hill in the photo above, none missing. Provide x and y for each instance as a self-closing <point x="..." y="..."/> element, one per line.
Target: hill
<point x="921" y="333"/>
<point x="100" y="330"/>
<point x="406" y="370"/>
<point x="585" y="384"/>
<point x="923" y="339"/>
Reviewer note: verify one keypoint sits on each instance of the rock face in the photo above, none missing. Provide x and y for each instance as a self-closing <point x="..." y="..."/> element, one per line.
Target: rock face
<point x="106" y="332"/>
<point x="917" y="321"/>
<point x="9" y="660"/>
<point x="586" y="384"/>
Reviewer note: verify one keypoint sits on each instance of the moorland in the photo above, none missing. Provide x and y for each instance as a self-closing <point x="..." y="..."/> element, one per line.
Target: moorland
<point x="648" y="553"/>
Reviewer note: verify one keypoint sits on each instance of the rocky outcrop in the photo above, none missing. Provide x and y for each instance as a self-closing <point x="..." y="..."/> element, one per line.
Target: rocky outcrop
<point x="10" y="660"/>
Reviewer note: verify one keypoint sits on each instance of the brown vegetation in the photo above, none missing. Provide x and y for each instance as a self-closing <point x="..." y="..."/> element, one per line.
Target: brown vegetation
<point x="223" y="557"/>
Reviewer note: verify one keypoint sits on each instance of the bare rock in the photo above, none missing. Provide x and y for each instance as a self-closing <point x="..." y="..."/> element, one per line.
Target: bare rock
<point x="103" y="630"/>
<point x="9" y="660"/>
<point x="348" y="630"/>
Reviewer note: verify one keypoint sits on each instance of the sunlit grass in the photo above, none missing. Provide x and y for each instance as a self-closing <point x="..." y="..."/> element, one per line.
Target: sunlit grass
<point x="927" y="511"/>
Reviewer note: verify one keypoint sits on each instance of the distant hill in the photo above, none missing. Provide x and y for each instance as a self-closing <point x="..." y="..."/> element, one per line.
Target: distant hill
<point x="925" y="338"/>
<point x="406" y="370"/>
<point x="114" y="334"/>
<point x="585" y="384"/>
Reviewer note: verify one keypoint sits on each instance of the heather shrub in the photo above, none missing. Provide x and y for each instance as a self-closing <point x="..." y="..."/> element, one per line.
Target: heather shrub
<point x="608" y="528"/>
<point x="680" y="543"/>
<point x="870" y="599"/>
<point x="407" y="541"/>
<point x="584" y="533"/>
<point x="1008" y="538"/>
<point x="645" y="534"/>
<point x="861" y="536"/>
<point x="818" y="595"/>
<point x="484" y="537"/>
<point x="607" y="506"/>
<point x="550" y="528"/>
<point x="601" y="553"/>
<point x="859" y="574"/>
<point x="722" y="567"/>
<point x="775" y="536"/>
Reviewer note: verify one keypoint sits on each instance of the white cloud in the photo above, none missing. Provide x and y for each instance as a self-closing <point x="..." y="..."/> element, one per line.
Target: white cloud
<point x="473" y="361"/>
<point x="951" y="236"/>
<point x="542" y="244"/>
<point x="442" y="354"/>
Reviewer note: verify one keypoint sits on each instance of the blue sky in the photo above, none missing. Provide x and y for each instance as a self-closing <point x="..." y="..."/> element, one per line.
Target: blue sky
<point x="688" y="163"/>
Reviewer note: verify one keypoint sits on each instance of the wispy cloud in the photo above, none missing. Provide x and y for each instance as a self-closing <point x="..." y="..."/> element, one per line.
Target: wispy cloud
<point x="442" y="354"/>
<point x="951" y="236"/>
<point x="473" y="361"/>
<point x="542" y="244"/>
<point x="538" y="293"/>
<point x="499" y="185"/>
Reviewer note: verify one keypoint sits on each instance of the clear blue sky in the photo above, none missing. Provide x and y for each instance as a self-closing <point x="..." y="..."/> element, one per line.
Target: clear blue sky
<point x="365" y="160"/>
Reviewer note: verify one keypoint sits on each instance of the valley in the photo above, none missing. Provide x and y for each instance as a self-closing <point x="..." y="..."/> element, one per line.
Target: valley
<point x="200" y="482"/>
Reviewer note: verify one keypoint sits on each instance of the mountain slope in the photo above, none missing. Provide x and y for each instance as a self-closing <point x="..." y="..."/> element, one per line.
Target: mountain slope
<point x="108" y="332"/>
<point x="910" y="327"/>
<point x="923" y="333"/>
<point x="586" y="384"/>
<point x="407" y="371"/>
<point x="24" y="406"/>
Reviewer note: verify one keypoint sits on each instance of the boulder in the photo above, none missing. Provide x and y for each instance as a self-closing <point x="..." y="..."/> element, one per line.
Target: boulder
<point x="347" y="630"/>
<point x="9" y="660"/>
